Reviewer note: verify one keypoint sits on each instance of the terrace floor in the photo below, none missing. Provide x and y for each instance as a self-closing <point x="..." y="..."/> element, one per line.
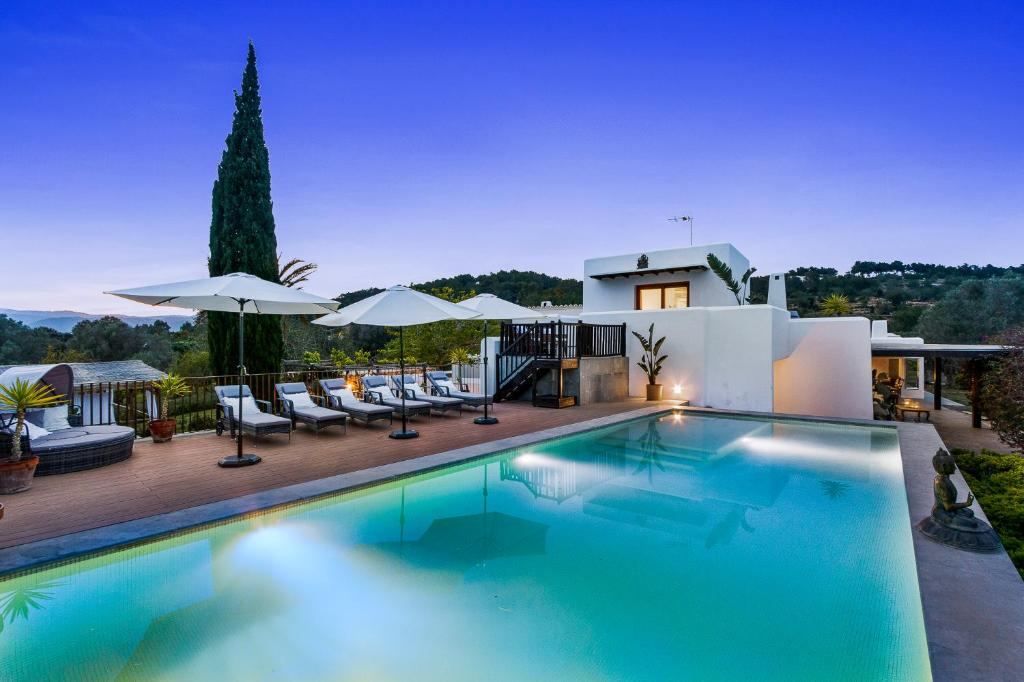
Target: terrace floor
<point x="954" y="426"/>
<point x="165" y="477"/>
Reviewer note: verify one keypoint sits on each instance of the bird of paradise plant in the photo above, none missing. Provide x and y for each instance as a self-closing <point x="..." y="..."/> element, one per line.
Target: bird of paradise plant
<point x="651" y="362"/>
<point x="724" y="273"/>
<point x="20" y="397"/>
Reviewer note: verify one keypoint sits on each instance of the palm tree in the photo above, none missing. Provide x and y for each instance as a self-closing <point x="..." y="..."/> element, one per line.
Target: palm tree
<point x="836" y="305"/>
<point x="295" y="272"/>
<point x="292" y="274"/>
<point x="22" y="396"/>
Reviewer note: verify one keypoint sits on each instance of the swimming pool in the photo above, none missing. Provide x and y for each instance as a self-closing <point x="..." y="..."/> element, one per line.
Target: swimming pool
<point x="678" y="547"/>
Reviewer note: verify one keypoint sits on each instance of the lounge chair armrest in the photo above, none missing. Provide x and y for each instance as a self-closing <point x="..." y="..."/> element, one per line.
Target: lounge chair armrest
<point x="267" y="407"/>
<point x="320" y="399"/>
<point x="288" y="407"/>
<point x="226" y="410"/>
<point x="441" y="391"/>
<point x="464" y="387"/>
<point x="373" y="397"/>
<point x="410" y="394"/>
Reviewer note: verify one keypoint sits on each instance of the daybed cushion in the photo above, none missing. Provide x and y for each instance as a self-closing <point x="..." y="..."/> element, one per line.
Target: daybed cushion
<point x="79" y="436"/>
<point x="50" y="418"/>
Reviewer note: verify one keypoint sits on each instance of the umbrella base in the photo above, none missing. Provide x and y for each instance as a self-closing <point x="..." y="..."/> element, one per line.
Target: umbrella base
<point x="239" y="461"/>
<point x="402" y="435"/>
<point x="486" y="420"/>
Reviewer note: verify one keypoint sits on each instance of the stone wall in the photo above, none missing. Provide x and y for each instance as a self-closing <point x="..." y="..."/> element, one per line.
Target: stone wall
<point x="600" y="380"/>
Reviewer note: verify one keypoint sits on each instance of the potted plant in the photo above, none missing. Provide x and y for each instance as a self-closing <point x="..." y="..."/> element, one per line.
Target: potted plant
<point x="16" y="473"/>
<point x="651" y="362"/>
<point x="171" y="386"/>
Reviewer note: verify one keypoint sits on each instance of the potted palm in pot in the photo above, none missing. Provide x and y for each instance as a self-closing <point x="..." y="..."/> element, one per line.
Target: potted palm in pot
<point x="17" y="471"/>
<point x="651" y="362"/>
<point x="171" y="386"/>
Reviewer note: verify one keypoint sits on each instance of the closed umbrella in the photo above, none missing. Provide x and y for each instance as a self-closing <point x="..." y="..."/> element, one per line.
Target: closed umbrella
<point x="491" y="307"/>
<point x="240" y="293"/>
<point x="401" y="307"/>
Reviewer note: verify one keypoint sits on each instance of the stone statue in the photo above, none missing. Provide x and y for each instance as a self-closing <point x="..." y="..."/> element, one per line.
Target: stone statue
<point x="951" y="522"/>
<point x="641" y="262"/>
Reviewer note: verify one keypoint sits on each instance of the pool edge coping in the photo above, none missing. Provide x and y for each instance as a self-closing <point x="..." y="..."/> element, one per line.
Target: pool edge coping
<point x="973" y="603"/>
<point x="71" y="547"/>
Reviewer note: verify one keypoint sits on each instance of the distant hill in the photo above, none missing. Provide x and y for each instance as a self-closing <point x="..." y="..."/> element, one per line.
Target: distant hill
<point x="525" y="288"/>
<point x="894" y="291"/>
<point x="65" y="320"/>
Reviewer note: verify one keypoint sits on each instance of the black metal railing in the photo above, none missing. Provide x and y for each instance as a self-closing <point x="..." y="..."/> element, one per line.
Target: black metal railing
<point x="134" y="403"/>
<point x="521" y="344"/>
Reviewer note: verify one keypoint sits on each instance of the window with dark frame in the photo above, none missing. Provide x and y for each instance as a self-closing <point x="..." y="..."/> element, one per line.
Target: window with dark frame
<point x="662" y="296"/>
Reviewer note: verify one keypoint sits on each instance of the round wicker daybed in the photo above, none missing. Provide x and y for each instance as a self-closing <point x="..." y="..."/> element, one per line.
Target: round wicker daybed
<point x="71" y="449"/>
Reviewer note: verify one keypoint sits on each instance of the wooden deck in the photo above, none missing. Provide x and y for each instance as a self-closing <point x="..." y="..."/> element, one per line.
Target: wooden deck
<point x="166" y="477"/>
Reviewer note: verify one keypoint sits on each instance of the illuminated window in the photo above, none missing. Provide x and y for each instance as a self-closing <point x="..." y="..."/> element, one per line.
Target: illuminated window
<point x="660" y="296"/>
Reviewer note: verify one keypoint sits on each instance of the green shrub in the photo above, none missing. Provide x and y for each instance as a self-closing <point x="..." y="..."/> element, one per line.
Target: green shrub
<point x="192" y="363"/>
<point x="311" y="357"/>
<point x="998" y="482"/>
<point x="340" y="358"/>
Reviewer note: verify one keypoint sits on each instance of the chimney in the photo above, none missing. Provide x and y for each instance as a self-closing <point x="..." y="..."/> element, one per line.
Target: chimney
<point x="777" y="290"/>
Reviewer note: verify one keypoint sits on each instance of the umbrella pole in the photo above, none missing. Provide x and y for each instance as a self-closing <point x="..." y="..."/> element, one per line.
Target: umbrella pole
<point x="485" y="419"/>
<point x="404" y="433"/>
<point x="240" y="460"/>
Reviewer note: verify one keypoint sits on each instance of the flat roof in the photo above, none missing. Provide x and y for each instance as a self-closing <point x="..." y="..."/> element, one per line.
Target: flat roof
<point x="649" y="271"/>
<point x="933" y="350"/>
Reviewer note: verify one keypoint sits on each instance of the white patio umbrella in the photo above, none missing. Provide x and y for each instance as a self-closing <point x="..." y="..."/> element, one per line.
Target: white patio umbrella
<point x="401" y="307"/>
<point x="490" y="308"/>
<point x="239" y="293"/>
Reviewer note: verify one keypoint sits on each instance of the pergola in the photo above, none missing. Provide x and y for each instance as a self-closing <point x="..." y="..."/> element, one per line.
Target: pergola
<point x="937" y="351"/>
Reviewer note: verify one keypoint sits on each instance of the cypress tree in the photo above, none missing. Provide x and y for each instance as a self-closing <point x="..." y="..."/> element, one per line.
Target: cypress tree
<point x="242" y="237"/>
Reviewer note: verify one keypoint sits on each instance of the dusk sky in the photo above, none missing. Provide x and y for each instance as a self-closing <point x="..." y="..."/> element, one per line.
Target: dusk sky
<point x="421" y="140"/>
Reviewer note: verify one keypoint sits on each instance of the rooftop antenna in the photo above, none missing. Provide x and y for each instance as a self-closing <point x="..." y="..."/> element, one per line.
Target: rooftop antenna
<point x="684" y="219"/>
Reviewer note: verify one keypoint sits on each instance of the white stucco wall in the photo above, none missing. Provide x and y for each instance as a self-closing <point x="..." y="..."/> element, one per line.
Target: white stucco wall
<point x="718" y="357"/>
<point x="620" y="294"/>
<point x="828" y="369"/>
<point x="755" y="358"/>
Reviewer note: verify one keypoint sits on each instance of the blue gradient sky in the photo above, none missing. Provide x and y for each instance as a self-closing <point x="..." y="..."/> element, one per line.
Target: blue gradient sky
<point x="429" y="139"/>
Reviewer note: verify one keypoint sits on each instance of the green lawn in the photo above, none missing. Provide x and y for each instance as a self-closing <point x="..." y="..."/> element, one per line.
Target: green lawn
<point x="998" y="482"/>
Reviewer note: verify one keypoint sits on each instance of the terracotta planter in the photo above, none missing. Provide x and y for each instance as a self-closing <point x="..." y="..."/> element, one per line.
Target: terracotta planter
<point x="161" y="430"/>
<point x="654" y="391"/>
<point x="17" y="476"/>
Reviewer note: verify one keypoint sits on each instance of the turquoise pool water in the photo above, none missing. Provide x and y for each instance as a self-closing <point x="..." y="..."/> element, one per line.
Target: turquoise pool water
<point x="678" y="548"/>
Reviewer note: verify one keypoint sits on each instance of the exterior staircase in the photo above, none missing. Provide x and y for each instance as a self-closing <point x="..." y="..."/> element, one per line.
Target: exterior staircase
<point x="530" y="352"/>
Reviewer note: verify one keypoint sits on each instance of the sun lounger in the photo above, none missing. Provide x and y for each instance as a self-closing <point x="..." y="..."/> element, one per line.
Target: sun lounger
<point x="376" y="389"/>
<point x="441" y="384"/>
<point x="255" y="421"/>
<point x="411" y="385"/>
<point x="298" y="405"/>
<point x="342" y="398"/>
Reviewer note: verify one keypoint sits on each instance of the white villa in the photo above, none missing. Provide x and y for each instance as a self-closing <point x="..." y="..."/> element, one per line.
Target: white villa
<point x="728" y="355"/>
<point x="723" y="354"/>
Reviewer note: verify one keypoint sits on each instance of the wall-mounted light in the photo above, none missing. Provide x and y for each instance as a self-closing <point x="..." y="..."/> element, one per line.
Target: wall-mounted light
<point x="677" y="389"/>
